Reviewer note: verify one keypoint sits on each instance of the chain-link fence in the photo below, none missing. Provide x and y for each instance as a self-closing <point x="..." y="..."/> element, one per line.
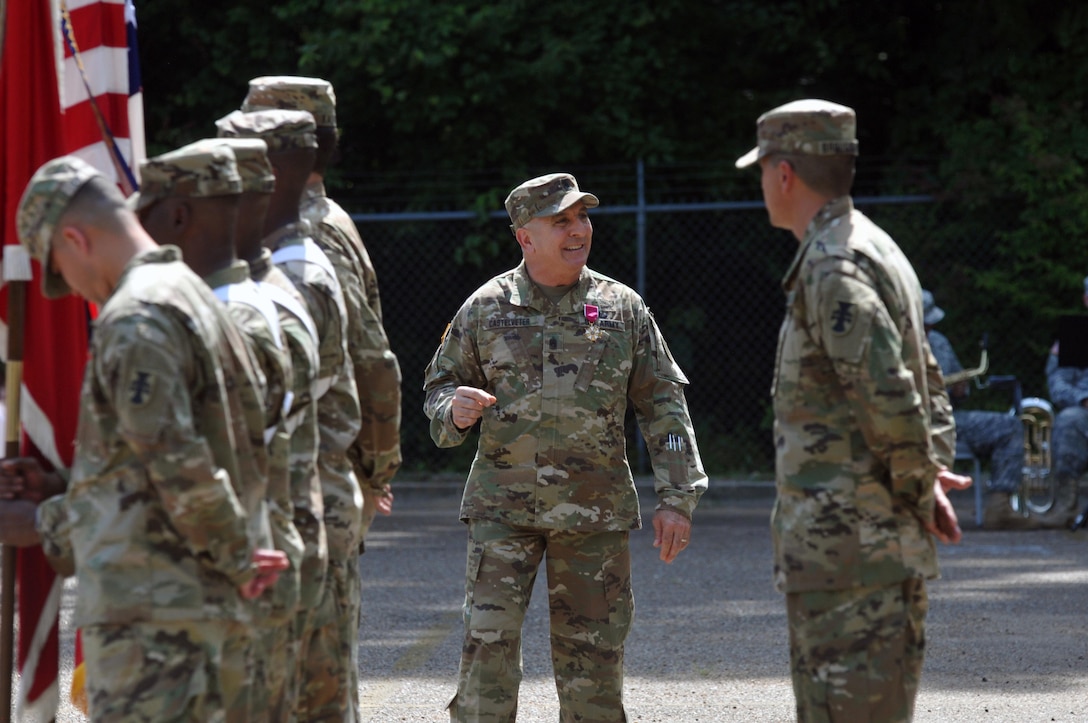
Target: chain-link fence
<point x="709" y="269"/>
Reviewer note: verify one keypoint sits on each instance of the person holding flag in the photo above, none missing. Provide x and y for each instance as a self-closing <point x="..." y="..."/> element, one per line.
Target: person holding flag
<point x="70" y="83"/>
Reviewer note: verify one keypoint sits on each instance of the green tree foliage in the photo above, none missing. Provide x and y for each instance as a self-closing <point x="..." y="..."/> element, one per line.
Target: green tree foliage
<point x="980" y="104"/>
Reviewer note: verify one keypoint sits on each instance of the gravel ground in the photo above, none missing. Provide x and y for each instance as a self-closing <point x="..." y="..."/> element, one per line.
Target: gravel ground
<point x="1008" y="625"/>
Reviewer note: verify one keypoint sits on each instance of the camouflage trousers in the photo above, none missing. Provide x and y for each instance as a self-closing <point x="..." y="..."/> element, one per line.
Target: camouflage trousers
<point x="591" y="608"/>
<point x="163" y="672"/>
<point x="329" y="658"/>
<point x="856" y="655"/>
<point x="275" y="678"/>
<point x="998" y="436"/>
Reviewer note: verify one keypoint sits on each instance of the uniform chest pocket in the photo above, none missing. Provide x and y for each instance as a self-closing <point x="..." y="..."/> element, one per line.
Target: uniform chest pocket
<point x="508" y="363"/>
<point x="590" y="361"/>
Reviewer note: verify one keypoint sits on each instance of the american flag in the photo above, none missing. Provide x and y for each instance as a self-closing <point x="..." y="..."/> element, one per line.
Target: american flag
<point x="69" y="83"/>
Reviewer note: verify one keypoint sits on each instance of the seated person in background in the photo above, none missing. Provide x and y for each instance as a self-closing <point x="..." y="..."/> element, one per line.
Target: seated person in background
<point x="996" y="435"/>
<point x="1069" y="395"/>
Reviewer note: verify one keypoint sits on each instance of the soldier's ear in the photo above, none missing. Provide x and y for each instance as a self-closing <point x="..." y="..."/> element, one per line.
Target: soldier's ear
<point x="73" y="239"/>
<point x="181" y="214"/>
<point x="525" y="239"/>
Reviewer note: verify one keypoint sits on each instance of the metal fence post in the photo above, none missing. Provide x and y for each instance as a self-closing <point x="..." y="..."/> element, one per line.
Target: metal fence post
<point x="640" y="273"/>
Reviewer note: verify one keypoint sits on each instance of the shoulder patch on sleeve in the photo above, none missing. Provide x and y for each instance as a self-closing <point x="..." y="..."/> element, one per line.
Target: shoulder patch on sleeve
<point x="844" y="314"/>
<point x="140" y="387"/>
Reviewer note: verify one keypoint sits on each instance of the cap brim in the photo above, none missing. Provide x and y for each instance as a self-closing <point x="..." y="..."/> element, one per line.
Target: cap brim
<point x="569" y="200"/>
<point x="53" y="285"/>
<point x="748" y="158"/>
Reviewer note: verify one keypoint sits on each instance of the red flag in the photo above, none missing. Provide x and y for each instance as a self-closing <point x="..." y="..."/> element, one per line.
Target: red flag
<point x="68" y="84"/>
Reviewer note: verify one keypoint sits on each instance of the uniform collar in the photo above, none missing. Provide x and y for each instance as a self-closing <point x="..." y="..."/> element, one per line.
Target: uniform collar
<point x="292" y="233"/>
<point x="235" y="273"/>
<point x="260" y="266"/>
<point x="161" y="255"/>
<point x="314" y="189"/>
<point x="526" y="293"/>
<point x="836" y="207"/>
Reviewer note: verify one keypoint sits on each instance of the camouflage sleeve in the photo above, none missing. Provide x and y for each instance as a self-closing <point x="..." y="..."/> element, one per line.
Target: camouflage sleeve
<point x="868" y="358"/>
<point x="375" y="454"/>
<point x="454" y="364"/>
<point x="147" y="369"/>
<point x="1065" y="391"/>
<point x="656" y="390"/>
<point x="53" y="526"/>
<point x="942" y="425"/>
<point x="326" y="315"/>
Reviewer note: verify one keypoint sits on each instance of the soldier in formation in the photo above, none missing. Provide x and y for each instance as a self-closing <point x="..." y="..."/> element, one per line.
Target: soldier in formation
<point x="158" y="518"/>
<point x="545" y="358"/>
<point x="376" y="453"/>
<point x="221" y="437"/>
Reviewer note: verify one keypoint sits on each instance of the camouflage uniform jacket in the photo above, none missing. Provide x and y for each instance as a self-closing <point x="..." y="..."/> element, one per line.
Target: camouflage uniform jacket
<point x="376" y="452"/>
<point x="300" y="336"/>
<point x="861" y="416"/>
<point x="308" y="268"/>
<point x="153" y="518"/>
<point x="257" y="317"/>
<point x="552" y="450"/>
<point x="1068" y="385"/>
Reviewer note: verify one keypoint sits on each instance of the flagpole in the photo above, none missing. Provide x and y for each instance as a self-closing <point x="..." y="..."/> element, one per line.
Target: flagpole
<point x="17" y="274"/>
<point x="3" y="24"/>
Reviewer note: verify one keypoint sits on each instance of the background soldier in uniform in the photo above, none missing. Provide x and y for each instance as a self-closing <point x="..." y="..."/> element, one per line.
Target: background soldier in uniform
<point x="547" y="357"/>
<point x="376" y="453"/>
<point x="863" y="431"/>
<point x="987" y="434"/>
<point x="328" y="684"/>
<point x="1069" y="394"/>
<point x="150" y="522"/>
<point x="177" y="212"/>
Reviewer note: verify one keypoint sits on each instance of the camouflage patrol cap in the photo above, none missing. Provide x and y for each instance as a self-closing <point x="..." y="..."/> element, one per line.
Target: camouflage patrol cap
<point x="44" y="201"/>
<point x="545" y="196"/>
<point x="293" y="92"/>
<point x="251" y="155"/>
<point x="282" y="130"/>
<point x="203" y="169"/>
<point x="804" y="127"/>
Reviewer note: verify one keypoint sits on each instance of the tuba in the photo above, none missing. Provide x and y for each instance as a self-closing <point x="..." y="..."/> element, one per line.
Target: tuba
<point x="1037" y="488"/>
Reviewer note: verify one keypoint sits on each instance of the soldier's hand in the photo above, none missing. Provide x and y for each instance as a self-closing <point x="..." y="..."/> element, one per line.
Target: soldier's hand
<point x="949" y="480"/>
<point x="269" y="564"/>
<point x="468" y="405"/>
<point x="672" y="532"/>
<point x="945" y="526"/>
<point x="17" y="523"/>
<point x="22" y="478"/>
<point x="380" y="501"/>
